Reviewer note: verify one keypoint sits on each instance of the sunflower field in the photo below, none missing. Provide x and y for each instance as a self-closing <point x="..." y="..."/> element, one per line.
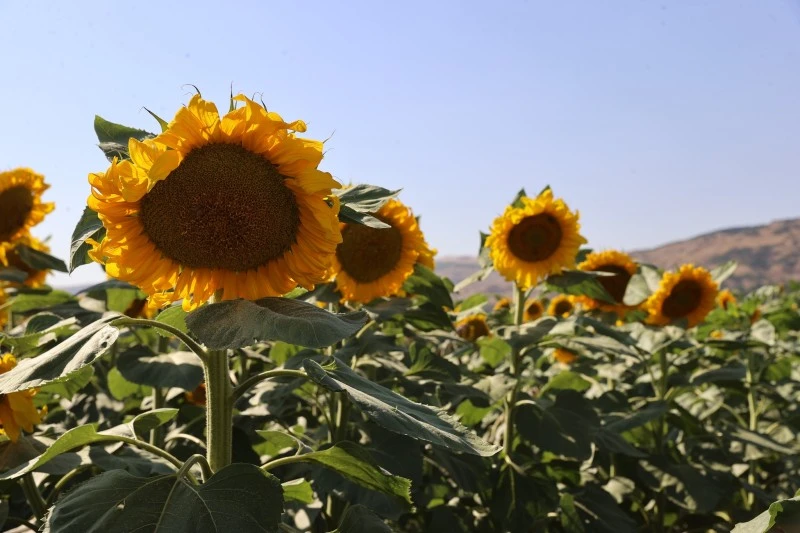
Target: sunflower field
<point x="273" y="351"/>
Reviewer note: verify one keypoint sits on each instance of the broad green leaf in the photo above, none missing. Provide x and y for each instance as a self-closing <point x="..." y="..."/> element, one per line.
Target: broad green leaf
<point x="764" y="331"/>
<point x="723" y="272"/>
<point x="730" y="373"/>
<point x="175" y="369"/>
<point x="298" y="490"/>
<point x="578" y="282"/>
<point x="566" y="379"/>
<point x="757" y="439"/>
<point x="356" y="464"/>
<point x="348" y="214"/>
<point x="475" y="277"/>
<point x="122" y="389"/>
<point x="428" y="317"/>
<point x="173" y="316"/>
<point x="12" y="274"/>
<point x="240" y="497"/>
<point x="426" y="363"/>
<point x="58" y="363"/>
<point x="494" y="350"/>
<point x="145" y="422"/>
<point x="397" y="413"/>
<point x="639" y="417"/>
<point x="784" y="513"/>
<point x="476" y="300"/>
<point x="69" y="387"/>
<point x="32" y="301"/>
<point x="360" y="519"/>
<point x="469" y="414"/>
<point x="44" y="321"/>
<point x="641" y="285"/>
<point x="114" y="137"/>
<point x="241" y="323"/>
<point x="38" y="260"/>
<point x="277" y="442"/>
<point x="365" y="198"/>
<point x="88" y="227"/>
<point x="424" y="282"/>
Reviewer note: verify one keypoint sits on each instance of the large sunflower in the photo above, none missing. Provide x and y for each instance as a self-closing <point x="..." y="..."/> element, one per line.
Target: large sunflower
<point x="538" y="238"/>
<point x="375" y="262"/>
<point x="21" y="206"/>
<point x="561" y="306"/>
<point x="688" y="294"/>
<point x="17" y="411"/>
<point x="622" y="266"/>
<point x="233" y="204"/>
<point x="36" y="278"/>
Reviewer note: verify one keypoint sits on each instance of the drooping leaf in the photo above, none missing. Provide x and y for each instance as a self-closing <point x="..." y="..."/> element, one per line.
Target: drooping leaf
<point x="240" y="497"/>
<point x="113" y="138"/>
<point x="298" y="490"/>
<point x="13" y="275"/>
<point x="641" y="285"/>
<point x="348" y="214"/>
<point x="578" y="282"/>
<point x="176" y="369"/>
<point x="425" y="282"/>
<point x="58" y="363"/>
<point x="88" y="227"/>
<point x="365" y="198"/>
<point x="397" y="413"/>
<point x="784" y="513"/>
<point x="241" y="323"/>
<point x="173" y="316"/>
<point x="39" y="260"/>
<point x="723" y="272"/>
<point x="38" y="300"/>
<point x="360" y="519"/>
<point x="150" y="420"/>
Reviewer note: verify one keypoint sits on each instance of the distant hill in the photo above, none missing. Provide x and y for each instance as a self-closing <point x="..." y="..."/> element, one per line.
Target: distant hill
<point x="766" y="254"/>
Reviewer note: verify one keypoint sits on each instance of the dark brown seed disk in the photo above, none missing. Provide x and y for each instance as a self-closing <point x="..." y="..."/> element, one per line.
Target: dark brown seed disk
<point x="223" y="207"/>
<point x="15" y="206"/>
<point x="563" y="306"/>
<point x="367" y="253"/>
<point x="682" y="300"/>
<point x="535" y="238"/>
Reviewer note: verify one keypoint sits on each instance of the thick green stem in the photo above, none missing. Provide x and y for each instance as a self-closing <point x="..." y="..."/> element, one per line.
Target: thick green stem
<point x="516" y="370"/>
<point x="752" y="425"/>
<point x="33" y="496"/>
<point x="219" y="410"/>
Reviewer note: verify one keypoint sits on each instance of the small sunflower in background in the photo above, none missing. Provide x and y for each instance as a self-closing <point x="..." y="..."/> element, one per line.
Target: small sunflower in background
<point x="756" y="316"/>
<point x="17" y="411"/>
<point x="688" y="294"/>
<point x="622" y="266"/>
<point x="233" y="204"/>
<point x="538" y="238"/>
<point x="564" y="356"/>
<point x="35" y="278"/>
<point x="375" y="262"/>
<point x="3" y="311"/>
<point x="472" y="327"/>
<point x="561" y="306"/>
<point x="533" y="310"/>
<point x="725" y="299"/>
<point x="197" y="396"/>
<point x="503" y="304"/>
<point x="21" y="206"/>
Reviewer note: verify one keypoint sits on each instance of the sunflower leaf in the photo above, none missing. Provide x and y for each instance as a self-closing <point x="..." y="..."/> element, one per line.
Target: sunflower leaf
<point x="240" y="497"/>
<point x="139" y="364"/>
<point x="241" y="323"/>
<point x="365" y="198"/>
<point x="114" y="137"/>
<point x="38" y="260"/>
<point x="397" y="413"/>
<point x="580" y="283"/>
<point x="723" y="272"/>
<point x="360" y="519"/>
<point x="88" y="227"/>
<point x="13" y="275"/>
<point x="348" y="214"/>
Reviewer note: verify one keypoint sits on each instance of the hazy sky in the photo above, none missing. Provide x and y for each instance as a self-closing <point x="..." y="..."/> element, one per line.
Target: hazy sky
<point x="656" y="120"/>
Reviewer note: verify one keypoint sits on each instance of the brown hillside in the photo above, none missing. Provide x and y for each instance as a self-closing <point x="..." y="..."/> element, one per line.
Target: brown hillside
<point x="766" y="254"/>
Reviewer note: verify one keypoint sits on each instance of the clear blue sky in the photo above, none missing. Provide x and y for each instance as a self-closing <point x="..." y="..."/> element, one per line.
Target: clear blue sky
<point x="657" y="120"/>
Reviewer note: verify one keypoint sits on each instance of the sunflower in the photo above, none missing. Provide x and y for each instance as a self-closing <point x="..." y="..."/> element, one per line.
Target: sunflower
<point x="140" y="308"/>
<point x="234" y="206"/>
<point x="36" y="278"/>
<point x="197" y="396"/>
<point x="622" y="266"/>
<point x="726" y="299"/>
<point x="3" y="311"/>
<point x="533" y="310"/>
<point x="503" y="304"/>
<point x="562" y="305"/>
<point x="564" y="356"/>
<point x="16" y="409"/>
<point x="472" y="327"/>
<point x="21" y="206"/>
<point x="375" y="262"/>
<point x="688" y="294"/>
<point x="538" y="238"/>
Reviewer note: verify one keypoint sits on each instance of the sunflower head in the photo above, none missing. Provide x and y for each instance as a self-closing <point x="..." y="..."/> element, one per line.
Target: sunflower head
<point x="375" y="262"/>
<point x="726" y="299"/>
<point x="534" y="238"/>
<point x="197" y="396"/>
<point x="622" y="266"/>
<point x="21" y="206"/>
<point x="503" y="304"/>
<point x="17" y="411"/>
<point x="472" y="327"/>
<point x="561" y="306"/>
<point x="232" y="205"/>
<point x="35" y="278"/>
<point x="688" y="294"/>
<point x="533" y="310"/>
<point x="564" y="356"/>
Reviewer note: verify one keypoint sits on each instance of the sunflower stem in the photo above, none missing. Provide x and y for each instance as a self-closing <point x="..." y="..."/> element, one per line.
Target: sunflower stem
<point x="511" y="399"/>
<point x="33" y="496"/>
<point x="219" y="410"/>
